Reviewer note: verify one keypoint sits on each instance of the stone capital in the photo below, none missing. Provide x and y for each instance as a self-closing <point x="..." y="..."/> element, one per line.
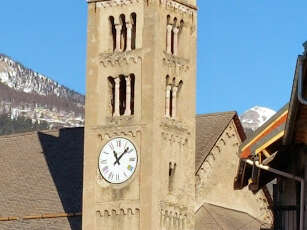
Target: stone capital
<point x="169" y="27"/>
<point x="175" y="30"/>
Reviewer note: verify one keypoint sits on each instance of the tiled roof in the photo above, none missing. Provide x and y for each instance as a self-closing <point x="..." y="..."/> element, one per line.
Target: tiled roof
<point x="209" y="127"/>
<point x="41" y="173"/>
<point x="211" y="217"/>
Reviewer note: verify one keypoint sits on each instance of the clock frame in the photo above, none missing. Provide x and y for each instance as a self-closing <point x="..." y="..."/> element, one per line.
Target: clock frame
<point x="118" y="160"/>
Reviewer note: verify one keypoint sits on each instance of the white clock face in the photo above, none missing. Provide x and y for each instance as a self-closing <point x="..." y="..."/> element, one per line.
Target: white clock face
<point x="118" y="160"/>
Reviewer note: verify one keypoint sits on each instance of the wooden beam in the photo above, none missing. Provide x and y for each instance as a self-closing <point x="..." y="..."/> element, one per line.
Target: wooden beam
<point x="266" y="153"/>
<point x="41" y="216"/>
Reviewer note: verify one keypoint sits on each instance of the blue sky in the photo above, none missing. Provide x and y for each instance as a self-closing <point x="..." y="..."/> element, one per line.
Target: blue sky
<point x="246" y="49"/>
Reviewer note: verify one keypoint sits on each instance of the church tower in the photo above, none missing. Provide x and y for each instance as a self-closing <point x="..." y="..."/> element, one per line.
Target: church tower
<point x="139" y="153"/>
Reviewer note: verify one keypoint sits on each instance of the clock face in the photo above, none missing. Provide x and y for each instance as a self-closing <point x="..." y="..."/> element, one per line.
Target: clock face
<point x="118" y="160"/>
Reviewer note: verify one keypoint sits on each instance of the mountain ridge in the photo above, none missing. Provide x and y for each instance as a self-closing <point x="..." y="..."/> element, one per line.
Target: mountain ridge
<point x="254" y="118"/>
<point x="26" y="93"/>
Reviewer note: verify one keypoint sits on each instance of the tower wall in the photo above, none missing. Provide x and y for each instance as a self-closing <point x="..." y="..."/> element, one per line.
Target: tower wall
<point x="158" y="116"/>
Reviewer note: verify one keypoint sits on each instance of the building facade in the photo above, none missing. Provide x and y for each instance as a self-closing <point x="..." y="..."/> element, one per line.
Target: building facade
<point x="278" y="151"/>
<point x="141" y="78"/>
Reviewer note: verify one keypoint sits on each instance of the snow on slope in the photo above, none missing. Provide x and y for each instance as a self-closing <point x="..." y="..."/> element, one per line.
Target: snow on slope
<point x="255" y="117"/>
<point x="18" y="77"/>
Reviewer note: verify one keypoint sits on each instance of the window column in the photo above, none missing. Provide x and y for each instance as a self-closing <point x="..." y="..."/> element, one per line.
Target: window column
<point x="169" y="39"/>
<point x="129" y="35"/>
<point x="175" y="30"/>
<point x="167" y="101"/>
<point x="117" y="85"/>
<point x="128" y="96"/>
<point x="174" y="109"/>
<point x="118" y="28"/>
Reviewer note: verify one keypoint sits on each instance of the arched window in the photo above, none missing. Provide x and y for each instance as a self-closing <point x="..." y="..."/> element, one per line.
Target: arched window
<point x="112" y="31"/>
<point x="132" y="78"/>
<point x="180" y="32"/>
<point x="167" y="96"/>
<point x="133" y="35"/>
<point x="122" y="95"/>
<point x="173" y="37"/>
<point x="111" y="94"/>
<point x="123" y="36"/>
<point x="171" y="175"/>
<point x="169" y="28"/>
<point x="180" y="85"/>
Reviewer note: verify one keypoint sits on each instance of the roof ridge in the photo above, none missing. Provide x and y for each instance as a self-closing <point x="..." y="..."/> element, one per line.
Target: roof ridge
<point x="216" y="113"/>
<point x="35" y="132"/>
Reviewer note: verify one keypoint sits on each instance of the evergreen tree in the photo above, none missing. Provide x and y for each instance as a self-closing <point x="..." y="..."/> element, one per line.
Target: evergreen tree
<point x="19" y="125"/>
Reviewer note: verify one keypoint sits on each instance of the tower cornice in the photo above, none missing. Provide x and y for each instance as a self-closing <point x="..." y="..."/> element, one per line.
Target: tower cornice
<point x="179" y="4"/>
<point x="110" y="3"/>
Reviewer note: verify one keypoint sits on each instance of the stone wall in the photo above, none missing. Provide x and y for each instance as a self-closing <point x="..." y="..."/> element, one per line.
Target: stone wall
<point x="214" y="180"/>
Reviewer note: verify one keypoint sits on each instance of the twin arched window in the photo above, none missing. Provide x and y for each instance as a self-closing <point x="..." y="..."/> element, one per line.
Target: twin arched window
<point x="123" y="31"/>
<point x="122" y="95"/>
<point x="173" y="32"/>
<point x="172" y="93"/>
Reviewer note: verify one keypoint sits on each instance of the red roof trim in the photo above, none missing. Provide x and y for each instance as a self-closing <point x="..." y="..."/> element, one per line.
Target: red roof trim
<point x="246" y="151"/>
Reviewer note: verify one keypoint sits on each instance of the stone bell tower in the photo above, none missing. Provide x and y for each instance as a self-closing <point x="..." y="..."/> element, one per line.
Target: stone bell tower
<point x="141" y="80"/>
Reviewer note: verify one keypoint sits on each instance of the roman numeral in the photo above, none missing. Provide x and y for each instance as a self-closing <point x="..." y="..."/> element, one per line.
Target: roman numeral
<point x="118" y="143"/>
<point x="130" y="150"/>
<point x="125" y="174"/>
<point x="110" y="177"/>
<point x="111" y="146"/>
<point x="132" y="159"/>
<point x="117" y="177"/>
<point x="105" y="168"/>
<point x="106" y="153"/>
<point x="103" y="162"/>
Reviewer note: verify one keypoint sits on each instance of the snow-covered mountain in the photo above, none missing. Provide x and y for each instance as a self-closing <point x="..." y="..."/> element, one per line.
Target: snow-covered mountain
<point x="24" y="92"/>
<point x="255" y="117"/>
<point x="16" y="76"/>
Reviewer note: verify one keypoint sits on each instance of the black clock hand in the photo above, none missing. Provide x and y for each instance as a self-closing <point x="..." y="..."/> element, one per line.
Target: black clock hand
<point x="117" y="160"/>
<point x="115" y="155"/>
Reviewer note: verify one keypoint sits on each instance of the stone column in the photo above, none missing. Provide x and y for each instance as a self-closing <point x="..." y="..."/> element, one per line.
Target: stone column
<point x="175" y="30"/>
<point x="174" y="108"/>
<point x="117" y="85"/>
<point x="128" y="96"/>
<point x="118" y="28"/>
<point x="169" y="39"/>
<point x="167" y="101"/>
<point x="168" y="221"/>
<point x="129" y="35"/>
<point x="163" y="220"/>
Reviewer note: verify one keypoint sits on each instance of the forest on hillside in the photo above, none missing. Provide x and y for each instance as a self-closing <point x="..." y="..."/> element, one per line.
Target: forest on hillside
<point x="51" y="101"/>
<point x="19" y="125"/>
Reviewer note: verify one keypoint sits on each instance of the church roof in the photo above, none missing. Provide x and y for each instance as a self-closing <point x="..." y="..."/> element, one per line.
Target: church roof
<point x="41" y="174"/>
<point x="209" y="127"/>
<point x="213" y="217"/>
<point x="41" y="179"/>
